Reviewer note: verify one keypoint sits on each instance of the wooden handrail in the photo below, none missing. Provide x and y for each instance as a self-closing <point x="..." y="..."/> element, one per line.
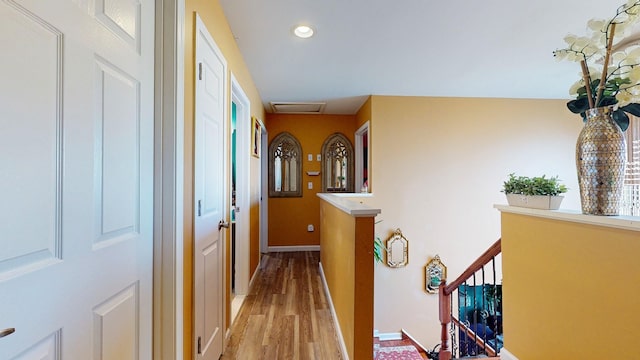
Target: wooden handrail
<point x="483" y="260"/>
<point x="444" y="295"/>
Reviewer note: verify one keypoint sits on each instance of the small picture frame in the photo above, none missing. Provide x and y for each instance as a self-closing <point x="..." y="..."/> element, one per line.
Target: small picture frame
<point x="397" y="250"/>
<point x="256" y="135"/>
<point x="435" y="273"/>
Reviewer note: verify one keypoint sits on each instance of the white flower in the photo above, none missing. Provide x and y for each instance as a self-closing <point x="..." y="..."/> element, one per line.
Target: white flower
<point x="633" y="53"/>
<point x="594" y="73"/>
<point x="598" y="25"/>
<point x="634" y="74"/>
<point x="624" y="98"/>
<point x="572" y="56"/>
<point x="573" y="91"/>
<point x="618" y="57"/>
<point x="570" y="39"/>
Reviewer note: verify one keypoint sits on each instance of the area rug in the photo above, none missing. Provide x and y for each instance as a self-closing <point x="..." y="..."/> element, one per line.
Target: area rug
<point x="398" y="353"/>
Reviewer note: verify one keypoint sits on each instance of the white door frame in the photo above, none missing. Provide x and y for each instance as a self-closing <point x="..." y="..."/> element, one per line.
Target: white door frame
<point x="168" y="322"/>
<point x="264" y="193"/>
<point x="243" y="189"/>
<point x="359" y="135"/>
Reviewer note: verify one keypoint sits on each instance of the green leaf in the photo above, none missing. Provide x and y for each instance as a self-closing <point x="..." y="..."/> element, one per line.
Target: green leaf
<point x="578" y="106"/>
<point x="582" y="91"/>
<point x="633" y="109"/>
<point x="621" y="119"/>
<point x="608" y="100"/>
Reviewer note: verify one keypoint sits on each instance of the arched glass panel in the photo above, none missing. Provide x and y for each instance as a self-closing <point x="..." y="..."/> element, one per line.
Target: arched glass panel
<point x="337" y="164"/>
<point x="285" y="171"/>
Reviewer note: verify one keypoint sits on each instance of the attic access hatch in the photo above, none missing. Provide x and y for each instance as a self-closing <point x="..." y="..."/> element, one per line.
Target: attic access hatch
<point x="297" y="107"/>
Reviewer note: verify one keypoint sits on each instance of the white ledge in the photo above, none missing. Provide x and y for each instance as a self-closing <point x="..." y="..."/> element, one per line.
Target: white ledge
<point x="619" y="222"/>
<point x="351" y="207"/>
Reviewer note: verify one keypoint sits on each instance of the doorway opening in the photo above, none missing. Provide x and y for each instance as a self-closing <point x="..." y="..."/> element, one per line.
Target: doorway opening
<point x="362" y="159"/>
<point x="240" y="195"/>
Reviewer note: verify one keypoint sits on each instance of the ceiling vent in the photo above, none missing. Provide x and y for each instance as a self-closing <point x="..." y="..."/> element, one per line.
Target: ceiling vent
<point x="297" y="107"/>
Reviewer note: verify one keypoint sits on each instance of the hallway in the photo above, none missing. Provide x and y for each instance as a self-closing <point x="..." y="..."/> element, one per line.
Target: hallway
<point x="286" y="314"/>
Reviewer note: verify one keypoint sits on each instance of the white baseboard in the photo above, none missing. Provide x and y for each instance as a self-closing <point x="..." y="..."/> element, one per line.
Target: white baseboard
<point x="389" y="336"/>
<point x="506" y="355"/>
<point x="414" y="340"/>
<point x="294" y="248"/>
<point x="336" y="324"/>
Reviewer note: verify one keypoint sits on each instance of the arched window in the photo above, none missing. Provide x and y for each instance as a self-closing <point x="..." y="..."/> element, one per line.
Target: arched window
<point x="337" y="164"/>
<point x="285" y="168"/>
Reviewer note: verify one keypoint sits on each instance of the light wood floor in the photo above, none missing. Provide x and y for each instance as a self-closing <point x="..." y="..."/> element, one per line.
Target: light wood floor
<point x="286" y="314"/>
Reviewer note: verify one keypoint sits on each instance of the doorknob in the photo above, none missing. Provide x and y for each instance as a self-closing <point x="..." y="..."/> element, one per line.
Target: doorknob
<point x="6" y="332"/>
<point x="223" y="224"/>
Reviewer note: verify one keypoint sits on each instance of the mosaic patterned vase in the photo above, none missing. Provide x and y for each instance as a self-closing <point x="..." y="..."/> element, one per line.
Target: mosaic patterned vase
<point x="601" y="158"/>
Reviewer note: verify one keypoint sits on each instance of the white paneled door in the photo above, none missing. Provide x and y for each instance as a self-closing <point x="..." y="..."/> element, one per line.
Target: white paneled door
<point x="76" y="179"/>
<point x="209" y="195"/>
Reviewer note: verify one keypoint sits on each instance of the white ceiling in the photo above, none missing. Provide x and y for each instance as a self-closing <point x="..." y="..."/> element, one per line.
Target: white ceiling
<point x="469" y="48"/>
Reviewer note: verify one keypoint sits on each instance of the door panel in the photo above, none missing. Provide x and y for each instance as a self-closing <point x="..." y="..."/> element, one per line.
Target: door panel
<point x="209" y="196"/>
<point x="31" y="142"/>
<point x="77" y="180"/>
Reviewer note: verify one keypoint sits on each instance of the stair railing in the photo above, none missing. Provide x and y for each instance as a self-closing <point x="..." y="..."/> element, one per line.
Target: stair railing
<point x="450" y="323"/>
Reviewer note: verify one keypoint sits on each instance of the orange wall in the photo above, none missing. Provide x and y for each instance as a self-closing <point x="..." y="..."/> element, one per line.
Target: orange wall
<point x="289" y="217"/>
<point x="212" y="15"/>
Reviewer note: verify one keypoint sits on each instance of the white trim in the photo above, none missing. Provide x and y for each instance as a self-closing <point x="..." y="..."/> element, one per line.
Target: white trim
<point x="336" y="324"/>
<point x="243" y="188"/>
<point x="403" y="331"/>
<point x="349" y="206"/>
<point x="359" y="181"/>
<point x="168" y="322"/>
<point x="264" y="191"/>
<point x="389" y="336"/>
<point x="294" y="248"/>
<point x="618" y="222"/>
<point x="506" y="355"/>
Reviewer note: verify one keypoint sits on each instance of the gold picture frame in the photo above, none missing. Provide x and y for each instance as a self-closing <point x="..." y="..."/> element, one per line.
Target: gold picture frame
<point x="256" y="135"/>
<point x="435" y="274"/>
<point x="397" y="250"/>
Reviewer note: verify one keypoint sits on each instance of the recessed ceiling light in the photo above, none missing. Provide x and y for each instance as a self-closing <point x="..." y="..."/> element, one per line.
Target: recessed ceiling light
<point x="303" y="31"/>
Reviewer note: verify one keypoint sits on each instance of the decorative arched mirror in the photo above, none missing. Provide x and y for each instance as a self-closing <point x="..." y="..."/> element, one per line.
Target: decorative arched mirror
<point x="337" y="164"/>
<point x="285" y="168"/>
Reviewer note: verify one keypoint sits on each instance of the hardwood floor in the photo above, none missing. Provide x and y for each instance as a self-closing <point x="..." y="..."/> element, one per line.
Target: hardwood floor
<point x="285" y="315"/>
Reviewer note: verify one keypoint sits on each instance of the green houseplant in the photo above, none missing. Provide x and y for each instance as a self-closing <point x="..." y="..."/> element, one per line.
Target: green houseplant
<point x="539" y="192"/>
<point x="378" y="248"/>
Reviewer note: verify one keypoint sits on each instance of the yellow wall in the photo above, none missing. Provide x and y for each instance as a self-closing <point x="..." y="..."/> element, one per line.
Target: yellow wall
<point x="438" y="165"/>
<point x="289" y="217"/>
<point x="570" y="290"/>
<point x="211" y="13"/>
<point x="347" y="262"/>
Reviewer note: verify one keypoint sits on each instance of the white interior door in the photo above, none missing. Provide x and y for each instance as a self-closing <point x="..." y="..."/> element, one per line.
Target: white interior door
<point x="76" y="138"/>
<point x="209" y="195"/>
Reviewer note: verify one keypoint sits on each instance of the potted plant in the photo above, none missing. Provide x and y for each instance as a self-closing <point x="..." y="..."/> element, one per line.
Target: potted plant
<point x="534" y="192"/>
<point x="378" y="248"/>
<point x="607" y="93"/>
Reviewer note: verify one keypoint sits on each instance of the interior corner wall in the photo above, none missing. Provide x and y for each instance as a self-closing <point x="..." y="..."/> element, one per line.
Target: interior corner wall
<point x="213" y="17"/>
<point x="289" y="217"/>
<point x="438" y="167"/>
